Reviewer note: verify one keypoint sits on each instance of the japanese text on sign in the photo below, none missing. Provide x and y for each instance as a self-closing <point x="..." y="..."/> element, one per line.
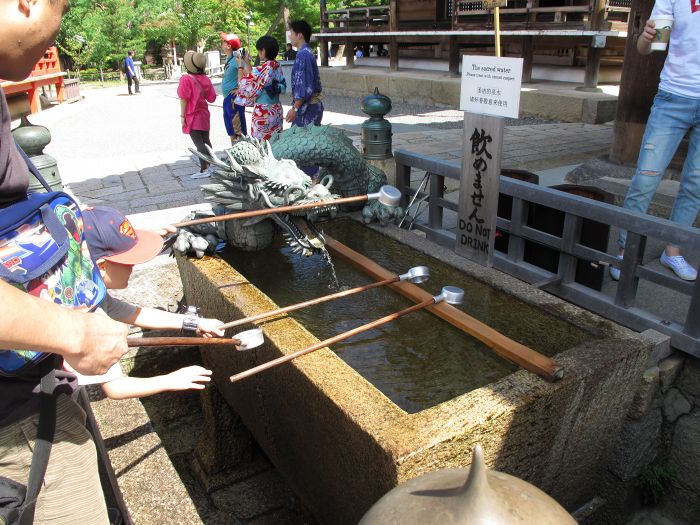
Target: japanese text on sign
<point x="491" y="85"/>
<point x="490" y="4"/>
<point x="472" y="231"/>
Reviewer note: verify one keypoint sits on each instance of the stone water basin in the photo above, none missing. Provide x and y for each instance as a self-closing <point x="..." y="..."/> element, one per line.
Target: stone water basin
<point x="346" y="425"/>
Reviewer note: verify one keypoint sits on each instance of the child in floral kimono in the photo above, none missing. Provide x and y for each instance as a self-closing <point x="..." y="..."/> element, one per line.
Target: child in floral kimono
<point x="260" y="87"/>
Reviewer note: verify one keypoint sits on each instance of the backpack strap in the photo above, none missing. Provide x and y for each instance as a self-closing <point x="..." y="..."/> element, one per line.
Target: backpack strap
<point x="44" y="439"/>
<point x="32" y="168"/>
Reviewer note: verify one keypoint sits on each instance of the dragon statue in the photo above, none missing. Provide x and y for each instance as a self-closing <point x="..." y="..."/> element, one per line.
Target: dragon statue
<point x="261" y="174"/>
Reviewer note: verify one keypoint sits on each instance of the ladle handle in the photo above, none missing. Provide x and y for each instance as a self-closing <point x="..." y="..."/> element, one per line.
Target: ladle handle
<point x="310" y="302"/>
<point x="331" y="340"/>
<point x="269" y="211"/>
<point x="181" y="341"/>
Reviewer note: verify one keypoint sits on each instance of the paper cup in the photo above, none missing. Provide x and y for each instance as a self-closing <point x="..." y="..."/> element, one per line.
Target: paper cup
<point x="664" y="24"/>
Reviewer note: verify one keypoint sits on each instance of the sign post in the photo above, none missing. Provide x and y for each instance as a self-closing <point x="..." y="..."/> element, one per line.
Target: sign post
<point x="496" y="6"/>
<point x="490" y="91"/>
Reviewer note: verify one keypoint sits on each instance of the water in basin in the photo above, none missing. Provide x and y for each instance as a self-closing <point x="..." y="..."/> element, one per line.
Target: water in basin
<point x="419" y="360"/>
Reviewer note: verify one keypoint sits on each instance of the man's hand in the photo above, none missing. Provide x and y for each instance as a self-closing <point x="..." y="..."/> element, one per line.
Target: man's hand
<point x="649" y="31"/>
<point x="210" y="328"/>
<point x="646" y="38"/>
<point x="188" y="378"/>
<point x="91" y="343"/>
<point x="102" y="342"/>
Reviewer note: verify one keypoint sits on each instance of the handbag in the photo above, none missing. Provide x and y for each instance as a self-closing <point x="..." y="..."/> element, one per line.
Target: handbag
<point x="43" y="251"/>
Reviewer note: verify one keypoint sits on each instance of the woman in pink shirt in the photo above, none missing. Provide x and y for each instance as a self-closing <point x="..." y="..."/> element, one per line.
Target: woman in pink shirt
<point x="195" y="91"/>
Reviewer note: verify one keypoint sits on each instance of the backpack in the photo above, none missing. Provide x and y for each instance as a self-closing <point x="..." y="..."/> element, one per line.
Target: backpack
<point x="42" y="251"/>
<point x="125" y="69"/>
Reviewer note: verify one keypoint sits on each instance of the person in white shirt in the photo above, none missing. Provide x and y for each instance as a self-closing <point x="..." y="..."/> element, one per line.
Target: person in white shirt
<point x="676" y="111"/>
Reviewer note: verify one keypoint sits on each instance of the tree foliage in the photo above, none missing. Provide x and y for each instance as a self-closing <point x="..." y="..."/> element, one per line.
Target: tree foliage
<point x="97" y="33"/>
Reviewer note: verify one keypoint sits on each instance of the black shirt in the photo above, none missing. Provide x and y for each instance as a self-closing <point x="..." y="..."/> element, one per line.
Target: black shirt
<point x="14" y="174"/>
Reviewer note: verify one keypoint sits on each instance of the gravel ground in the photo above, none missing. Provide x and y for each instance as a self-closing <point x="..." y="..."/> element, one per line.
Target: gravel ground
<point x="440" y="118"/>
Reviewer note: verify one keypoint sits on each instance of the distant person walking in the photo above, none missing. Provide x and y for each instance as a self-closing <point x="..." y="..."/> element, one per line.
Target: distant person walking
<point x="260" y="87"/>
<point x="195" y="91"/>
<point x="290" y="53"/>
<point x="234" y="114"/>
<point x="676" y="110"/>
<point x="130" y="70"/>
<point x="306" y="81"/>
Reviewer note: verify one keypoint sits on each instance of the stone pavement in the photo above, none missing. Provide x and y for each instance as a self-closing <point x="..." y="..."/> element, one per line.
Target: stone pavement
<point x="128" y="152"/>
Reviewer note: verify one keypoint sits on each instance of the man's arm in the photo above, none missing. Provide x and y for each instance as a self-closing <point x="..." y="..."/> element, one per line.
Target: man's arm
<point x="90" y="343"/>
<point x="646" y="38"/>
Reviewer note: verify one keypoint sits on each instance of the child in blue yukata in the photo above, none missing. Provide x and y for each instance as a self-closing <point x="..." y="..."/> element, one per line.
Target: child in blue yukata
<point x="116" y="247"/>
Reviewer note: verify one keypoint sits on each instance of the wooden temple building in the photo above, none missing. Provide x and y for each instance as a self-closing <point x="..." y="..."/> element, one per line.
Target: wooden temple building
<point x="565" y="32"/>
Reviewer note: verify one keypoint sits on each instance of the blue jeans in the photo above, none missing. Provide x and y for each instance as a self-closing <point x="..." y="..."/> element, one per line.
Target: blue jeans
<point x="671" y="117"/>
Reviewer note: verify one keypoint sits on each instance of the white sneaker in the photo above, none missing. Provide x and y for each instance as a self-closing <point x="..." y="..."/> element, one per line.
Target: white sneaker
<point x="679" y="266"/>
<point x="615" y="272"/>
<point x="201" y="174"/>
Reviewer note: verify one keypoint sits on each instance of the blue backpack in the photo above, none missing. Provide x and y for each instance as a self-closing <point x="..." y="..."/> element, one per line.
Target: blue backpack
<point x="43" y="251"/>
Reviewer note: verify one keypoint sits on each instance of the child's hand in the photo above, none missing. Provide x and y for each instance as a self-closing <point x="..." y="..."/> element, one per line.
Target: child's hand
<point x="164" y="230"/>
<point x="210" y="328"/>
<point x="188" y="378"/>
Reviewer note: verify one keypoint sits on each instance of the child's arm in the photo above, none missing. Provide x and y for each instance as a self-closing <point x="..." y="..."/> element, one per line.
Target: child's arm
<point x="188" y="378"/>
<point x="160" y="320"/>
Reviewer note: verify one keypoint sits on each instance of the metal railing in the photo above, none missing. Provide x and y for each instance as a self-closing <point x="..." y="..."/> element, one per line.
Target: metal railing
<point x="621" y="307"/>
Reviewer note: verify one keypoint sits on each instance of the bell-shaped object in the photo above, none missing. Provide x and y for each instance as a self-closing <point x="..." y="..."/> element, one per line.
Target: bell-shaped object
<point x="376" y="131"/>
<point x="487" y="497"/>
<point x="32" y="139"/>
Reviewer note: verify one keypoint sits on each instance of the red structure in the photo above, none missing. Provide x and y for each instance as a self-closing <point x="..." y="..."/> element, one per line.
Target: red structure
<point x="46" y="72"/>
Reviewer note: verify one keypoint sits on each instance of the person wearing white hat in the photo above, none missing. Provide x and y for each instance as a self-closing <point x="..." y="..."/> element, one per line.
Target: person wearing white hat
<point x="195" y="92"/>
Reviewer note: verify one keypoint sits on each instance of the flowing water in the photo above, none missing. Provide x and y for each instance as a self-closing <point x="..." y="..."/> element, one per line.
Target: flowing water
<point x="419" y="360"/>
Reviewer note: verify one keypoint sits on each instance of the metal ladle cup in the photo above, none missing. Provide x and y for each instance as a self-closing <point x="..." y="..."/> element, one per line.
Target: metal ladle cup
<point x="387" y="195"/>
<point x="416" y="275"/>
<point x="250" y="339"/>
<point x="451" y="295"/>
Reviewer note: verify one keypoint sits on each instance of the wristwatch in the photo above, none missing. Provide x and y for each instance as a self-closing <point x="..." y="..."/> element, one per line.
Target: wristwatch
<point x="190" y="322"/>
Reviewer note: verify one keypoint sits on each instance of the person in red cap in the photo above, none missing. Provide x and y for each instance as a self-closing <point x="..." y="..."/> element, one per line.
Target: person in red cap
<point x="116" y="246"/>
<point x="234" y="114"/>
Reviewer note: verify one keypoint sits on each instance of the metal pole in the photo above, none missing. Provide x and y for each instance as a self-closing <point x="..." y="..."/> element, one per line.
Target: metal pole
<point x="180" y="341"/>
<point x="269" y="211"/>
<point x="497" y="26"/>
<point x="310" y="302"/>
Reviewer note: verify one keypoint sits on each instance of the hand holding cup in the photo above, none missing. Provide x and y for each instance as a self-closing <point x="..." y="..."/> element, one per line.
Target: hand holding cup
<point x="662" y="25"/>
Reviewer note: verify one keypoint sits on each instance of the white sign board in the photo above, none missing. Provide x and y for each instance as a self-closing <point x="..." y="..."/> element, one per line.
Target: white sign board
<point x="491" y="85"/>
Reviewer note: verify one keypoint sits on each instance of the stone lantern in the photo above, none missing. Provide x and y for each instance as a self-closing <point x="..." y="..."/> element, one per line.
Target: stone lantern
<point x="376" y="134"/>
<point x="376" y="131"/>
<point x="32" y="139"/>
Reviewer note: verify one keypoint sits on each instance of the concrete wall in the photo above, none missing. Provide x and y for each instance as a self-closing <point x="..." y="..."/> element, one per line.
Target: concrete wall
<point x="342" y="444"/>
<point x="659" y="442"/>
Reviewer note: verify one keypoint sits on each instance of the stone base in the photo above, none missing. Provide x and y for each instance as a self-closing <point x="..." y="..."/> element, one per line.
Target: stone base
<point x="554" y="101"/>
<point x="388" y="166"/>
<point x="342" y="444"/>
